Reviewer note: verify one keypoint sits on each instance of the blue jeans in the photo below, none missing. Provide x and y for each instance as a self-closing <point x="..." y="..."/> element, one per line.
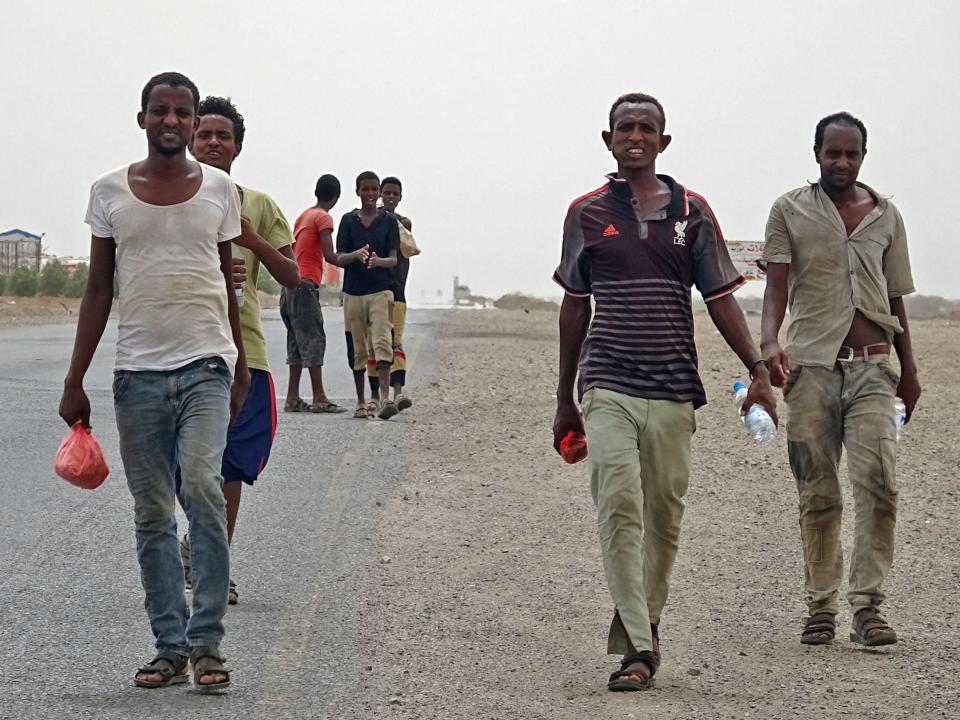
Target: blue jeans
<point x="166" y="419"/>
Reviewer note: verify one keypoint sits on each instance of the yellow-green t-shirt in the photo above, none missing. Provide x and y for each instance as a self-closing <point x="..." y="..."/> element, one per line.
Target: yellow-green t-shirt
<point x="270" y="224"/>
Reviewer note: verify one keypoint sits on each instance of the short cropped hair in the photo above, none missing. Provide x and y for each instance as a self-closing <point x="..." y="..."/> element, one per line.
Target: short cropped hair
<point x="840" y="118"/>
<point x="212" y="105"/>
<point x="367" y="175"/>
<point x="328" y="188"/>
<point x="391" y="180"/>
<point x="635" y="99"/>
<point x="173" y="79"/>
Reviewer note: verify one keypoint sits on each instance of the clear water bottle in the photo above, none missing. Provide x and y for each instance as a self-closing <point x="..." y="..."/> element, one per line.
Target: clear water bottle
<point x="758" y="422"/>
<point x="237" y="252"/>
<point x="900" y="413"/>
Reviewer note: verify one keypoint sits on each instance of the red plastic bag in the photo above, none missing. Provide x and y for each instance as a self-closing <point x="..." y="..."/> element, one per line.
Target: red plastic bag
<point x="573" y="447"/>
<point x="80" y="460"/>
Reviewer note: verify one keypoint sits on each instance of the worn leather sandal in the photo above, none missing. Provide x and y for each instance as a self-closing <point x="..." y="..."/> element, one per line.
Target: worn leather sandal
<point x="325" y="406"/>
<point x="206" y="660"/>
<point x="299" y="405"/>
<point x="170" y="666"/>
<point x="871" y="630"/>
<point x="819" y="629"/>
<point x="631" y="668"/>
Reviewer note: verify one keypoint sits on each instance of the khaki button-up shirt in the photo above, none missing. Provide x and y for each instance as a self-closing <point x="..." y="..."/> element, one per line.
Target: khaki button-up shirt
<point x="832" y="274"/>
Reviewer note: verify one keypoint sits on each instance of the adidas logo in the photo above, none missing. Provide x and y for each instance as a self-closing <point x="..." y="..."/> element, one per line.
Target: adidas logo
<point x="610" y="231"/>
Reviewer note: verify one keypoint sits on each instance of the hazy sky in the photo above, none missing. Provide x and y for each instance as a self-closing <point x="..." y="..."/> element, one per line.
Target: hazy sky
<point x="491" y="112"/>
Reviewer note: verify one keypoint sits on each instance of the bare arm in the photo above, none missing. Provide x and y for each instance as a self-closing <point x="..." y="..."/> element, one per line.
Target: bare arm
<point x="287" y="252"/>
<point x="728" y="317"/>
<point x="94" y="313"/>
<point x="241" y="375"/>
<point x="575" y="313"/>
<point x="774" y="310"/>
<point x="909" y="388"/>
<point x="282" y="266"/>
<point x="326" y="245"/>
<point x="344" y="259"/>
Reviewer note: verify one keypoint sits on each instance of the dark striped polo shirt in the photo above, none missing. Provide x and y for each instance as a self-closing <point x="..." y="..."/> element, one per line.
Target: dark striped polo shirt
<point x="640" y="271"/>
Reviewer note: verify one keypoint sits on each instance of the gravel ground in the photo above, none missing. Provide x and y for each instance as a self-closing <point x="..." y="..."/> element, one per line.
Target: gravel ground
<point x="489" y="599"/>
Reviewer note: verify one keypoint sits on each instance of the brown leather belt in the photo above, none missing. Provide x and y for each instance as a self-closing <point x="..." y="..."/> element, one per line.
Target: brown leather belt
<point x="847" y="353"/>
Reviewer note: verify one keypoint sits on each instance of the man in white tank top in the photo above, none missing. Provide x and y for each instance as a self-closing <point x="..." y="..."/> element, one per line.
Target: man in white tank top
<point x="164" y="224"/>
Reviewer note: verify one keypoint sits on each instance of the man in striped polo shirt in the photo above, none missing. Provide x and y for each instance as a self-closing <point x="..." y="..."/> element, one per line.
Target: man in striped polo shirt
<point x="638" y="244"/>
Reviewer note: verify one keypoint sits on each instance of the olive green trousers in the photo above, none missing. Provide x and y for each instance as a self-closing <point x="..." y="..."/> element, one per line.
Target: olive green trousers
<point x="639" y="470"/>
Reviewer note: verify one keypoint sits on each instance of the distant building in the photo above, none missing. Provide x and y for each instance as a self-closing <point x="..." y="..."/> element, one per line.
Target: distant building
<point x="19" y="248"/>
<point x="461" y="293"/>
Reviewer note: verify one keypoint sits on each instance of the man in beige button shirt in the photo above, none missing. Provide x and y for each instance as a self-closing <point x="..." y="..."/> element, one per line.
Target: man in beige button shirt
<point x="838" y="250"/>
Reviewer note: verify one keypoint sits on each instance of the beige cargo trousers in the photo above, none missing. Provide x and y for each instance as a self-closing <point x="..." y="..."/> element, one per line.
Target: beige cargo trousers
<point x="847" y="406"/>
<point x="639" y="471"/>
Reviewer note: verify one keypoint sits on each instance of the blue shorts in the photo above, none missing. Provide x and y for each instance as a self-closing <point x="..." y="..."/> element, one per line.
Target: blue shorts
<point x="250" y="437"/>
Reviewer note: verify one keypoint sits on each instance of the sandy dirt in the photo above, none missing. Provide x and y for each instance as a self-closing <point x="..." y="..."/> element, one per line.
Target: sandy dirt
<point x="490" y="600"/>
<point x="19" y="311"/>
<point x="37" y="310"/>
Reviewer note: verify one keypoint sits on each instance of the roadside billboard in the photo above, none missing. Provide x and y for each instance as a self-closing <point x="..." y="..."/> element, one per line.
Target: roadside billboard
<point x="745" y="256"/>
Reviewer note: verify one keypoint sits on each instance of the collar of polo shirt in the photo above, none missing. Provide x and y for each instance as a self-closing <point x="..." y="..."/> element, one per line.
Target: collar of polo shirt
<point x="679" y="205"/>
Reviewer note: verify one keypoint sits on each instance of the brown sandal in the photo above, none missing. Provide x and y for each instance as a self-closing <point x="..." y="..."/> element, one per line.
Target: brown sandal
<point x="170" y="666"/>
<point x="819" y="629"/>
<point x="871" y="630"/>
<point x="206" y="660"/>
<point x="298" y="405"/>
<point x="642" y="665"/>
<point x="325" y="406"/>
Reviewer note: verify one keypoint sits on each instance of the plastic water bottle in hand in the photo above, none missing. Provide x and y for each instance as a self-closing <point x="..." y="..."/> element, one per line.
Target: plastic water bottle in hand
<point x="758" y="422"/>
<point x="237" y="252"/>
<point x="900" y="413"/>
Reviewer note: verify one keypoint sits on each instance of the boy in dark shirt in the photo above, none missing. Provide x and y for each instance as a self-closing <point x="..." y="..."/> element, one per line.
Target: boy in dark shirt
<point x="368" y="291"/>
<point x="391" y="192"/>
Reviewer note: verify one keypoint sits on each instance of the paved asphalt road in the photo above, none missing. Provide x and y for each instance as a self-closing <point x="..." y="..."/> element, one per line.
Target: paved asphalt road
<point x="72" y="625"/>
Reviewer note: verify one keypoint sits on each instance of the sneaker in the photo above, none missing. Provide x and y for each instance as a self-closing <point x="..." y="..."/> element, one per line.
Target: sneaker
<point x="233" y="597"/>
<point x="185" y="559"/>
<point x="387" y="410"/>
<point x="403" y="403"/>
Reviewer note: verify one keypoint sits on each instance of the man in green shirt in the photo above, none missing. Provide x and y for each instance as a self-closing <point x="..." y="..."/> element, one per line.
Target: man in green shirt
<point x="837" y="250"/>
<point x="218" y="141"/>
